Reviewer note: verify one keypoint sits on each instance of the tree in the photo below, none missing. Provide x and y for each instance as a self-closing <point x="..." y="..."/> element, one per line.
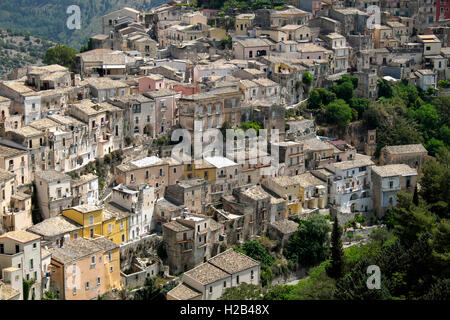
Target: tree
<point x="309" y="245"/>
<point x="256" y="251"/>
<point x="348" y="78"/>
<point x="384" y="89"/>
<point x="435" y="183"/>
<point x="307" y="78"/>
<point x="27" y="285"/>
<point x="410" y="221"/>
<point x="337" y="252"/>
<point x="250" y="125"/>
<point x="319" y="97"/>
<point x="244" y="291"/>
<point x="343" y="91"/>
<point x="360" y="105"/>
<point x="353" y="286"/>
<point x="339" y="112"/>
<point x="149" y="291"/>
<point x="416" y="196"/>
<point x="62" y="55"/>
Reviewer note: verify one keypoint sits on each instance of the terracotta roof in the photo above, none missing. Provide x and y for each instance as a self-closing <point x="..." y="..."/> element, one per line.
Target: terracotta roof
<point x="175" y="226"/>
<point x="54" y="226"/>
<point x="407" y="148"/>
<point x="285" y="226"/>
<point x="77" y="249"/>
<point x="392" y="170"/>
<point x="207" y="273"/>
<point x="233" y="261"/>
<point x="21" y="236"/>
<point x="184" y="292"/>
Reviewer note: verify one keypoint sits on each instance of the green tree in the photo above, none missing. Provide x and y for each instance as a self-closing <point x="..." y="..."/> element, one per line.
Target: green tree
<point x="150" y="292"/>
<point x="62" y="55"/>
<point x="410" y="221"/>
<point x="309" y="245"/>
<point x="384" y="89"/>
<point x="250" y="125"/>
<point x="343" y="91"/>
<point x="307" y="78"/>
<point x="256" y="251"/>
<point x="320" y="97"/>
<point x="339" y="112"/>
<point x="360" y="105"/>
<point x="27" y="285"/>
<point x="337" y="252"/>
<point x="244" y="291"/>
<point x="348" y="78"/>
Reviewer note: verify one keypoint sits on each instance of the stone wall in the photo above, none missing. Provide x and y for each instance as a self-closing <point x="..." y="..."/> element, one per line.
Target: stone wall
<point x="138" y="248"/>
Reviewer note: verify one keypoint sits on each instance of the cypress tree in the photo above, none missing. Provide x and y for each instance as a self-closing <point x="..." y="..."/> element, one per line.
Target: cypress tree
<point x="337" y="252"/>
<point x="416" y="197"/>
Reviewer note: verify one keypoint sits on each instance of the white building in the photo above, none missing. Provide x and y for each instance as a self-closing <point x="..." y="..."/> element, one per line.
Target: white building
<point x="22" y="250"/>
<point x="227" y="175"/>
<point x="350" y="189"/>
<point x="139" y="201"/>
<point x="209" y="280"/>
<point x="53" y="192"/>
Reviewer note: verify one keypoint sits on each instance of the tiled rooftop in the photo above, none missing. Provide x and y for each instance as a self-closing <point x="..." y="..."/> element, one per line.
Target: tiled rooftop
<point x="54" y="226"/>
<point x="233" y="261"/>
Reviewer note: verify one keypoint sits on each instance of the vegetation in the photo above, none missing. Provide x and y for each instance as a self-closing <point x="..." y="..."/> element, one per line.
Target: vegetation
<point x="335" y="270"/>
<point x="309" y="245"/>
<point x="307" y="78"/>
<point x="19" y="49"/>
<point x="49" y="18"/>
<point x="27" y="285"/>
<point x="413" y="254"/>
<point x="50" y="295"/>
<point x="255" y="250"/>
<point x="62" y="55"/>
<point x="150" y="292"/>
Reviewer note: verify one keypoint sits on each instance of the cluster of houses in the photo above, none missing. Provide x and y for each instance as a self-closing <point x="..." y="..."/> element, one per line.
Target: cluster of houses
<point x="149" y="73"/>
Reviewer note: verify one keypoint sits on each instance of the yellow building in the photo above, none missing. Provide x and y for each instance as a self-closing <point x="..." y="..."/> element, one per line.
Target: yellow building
<point x="96" y="222"/>
<point x="204" y="170"/>
<point x="289" y="189"/>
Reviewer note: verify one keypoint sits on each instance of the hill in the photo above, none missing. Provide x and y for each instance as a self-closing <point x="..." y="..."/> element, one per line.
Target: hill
<point x="48" y="18"/>
<point x="19" y="49"/>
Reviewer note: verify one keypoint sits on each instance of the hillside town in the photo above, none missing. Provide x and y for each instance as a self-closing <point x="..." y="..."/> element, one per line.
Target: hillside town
<point x="183" y="136"/>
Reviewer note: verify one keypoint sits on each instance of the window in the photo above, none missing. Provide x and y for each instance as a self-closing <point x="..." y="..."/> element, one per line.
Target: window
<point x="210" y="289"/>
<point x="17" y="248"/>
<point x="123" y="238"/>
<point x="31" y="264"/>
<point x="252" y="275"/>
<point x="121" y="224"/>
<point x="237" y="279"/>
<point x="98" y="281"/>
<point x="87" y="285"/>
<point x="224" y="284"/>
<point x="74" y="291"/>
<point x="109" y="256"/>
<point x="93" y="260"/>
<point x="74" y="269"/>
<point x="91" y="233"/>
<point x="91" y="219"/>
<point x="111" y="269"/>
<point x="2" y="248"/>
<point x="34" y="245"/>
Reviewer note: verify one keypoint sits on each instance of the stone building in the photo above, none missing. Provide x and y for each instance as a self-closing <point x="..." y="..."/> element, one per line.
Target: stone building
<point x="387" y="181"/>
<point x="53" y="192"/>
<point x="413" y="155"/>
<point x="189" y="241"/>
<point x="209" y="280"/>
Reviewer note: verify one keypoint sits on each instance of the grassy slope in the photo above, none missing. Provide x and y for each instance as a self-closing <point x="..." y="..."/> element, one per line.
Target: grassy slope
<point x="47" y="18"/>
